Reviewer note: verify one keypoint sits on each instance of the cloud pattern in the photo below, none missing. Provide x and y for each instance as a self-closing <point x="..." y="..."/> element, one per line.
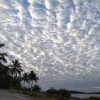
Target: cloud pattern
<point x="59" y="39"/>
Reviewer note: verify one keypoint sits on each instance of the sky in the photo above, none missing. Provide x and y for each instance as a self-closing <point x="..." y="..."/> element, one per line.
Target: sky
<point x="58" y="39"/>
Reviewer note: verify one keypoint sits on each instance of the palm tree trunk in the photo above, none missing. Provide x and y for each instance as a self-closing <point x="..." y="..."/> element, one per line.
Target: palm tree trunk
<point x="11" y="83"/>
<point x="31" y="85"/>
<point x="28" y="84"/>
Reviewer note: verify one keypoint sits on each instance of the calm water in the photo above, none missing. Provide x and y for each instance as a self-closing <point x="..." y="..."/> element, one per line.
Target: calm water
<point x="85" y="95"/>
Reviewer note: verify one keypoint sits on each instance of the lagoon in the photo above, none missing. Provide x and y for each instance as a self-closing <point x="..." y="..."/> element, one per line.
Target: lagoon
<point x="85" y="95"/>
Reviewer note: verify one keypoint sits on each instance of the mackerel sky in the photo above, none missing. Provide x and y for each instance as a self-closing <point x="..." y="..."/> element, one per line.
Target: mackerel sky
<point x="58" y="39"/>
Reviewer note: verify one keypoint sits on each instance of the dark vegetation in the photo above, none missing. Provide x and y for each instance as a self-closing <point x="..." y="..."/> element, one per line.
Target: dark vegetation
<point x="91" y="98"/>
<point x="60" y="92"/>
<point x="12" y="75"/>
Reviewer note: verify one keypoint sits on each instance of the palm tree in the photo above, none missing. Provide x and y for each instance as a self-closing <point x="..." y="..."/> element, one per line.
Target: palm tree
<point x="33" y="77"/>
<point x="25" y="77"/>
<point x="15" y="71"/>
<point x="4" y="76"/>
<point x="1" y="44"/>
<point x="3" y="60"/>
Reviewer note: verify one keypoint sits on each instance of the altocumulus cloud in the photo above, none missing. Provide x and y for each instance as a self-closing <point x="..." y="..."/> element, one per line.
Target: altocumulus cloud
<point x="59" y="39"/>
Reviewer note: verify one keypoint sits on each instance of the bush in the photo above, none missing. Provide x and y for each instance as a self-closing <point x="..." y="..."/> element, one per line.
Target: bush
<point x="60" y="92"/>
<point x="36" y="88"/>
<point x="62" y="98"/>
<point x="4" y="81"/>
<point x="51" y="91"/>
<point x="64" y="92"/>
<point x="94" y="98"/>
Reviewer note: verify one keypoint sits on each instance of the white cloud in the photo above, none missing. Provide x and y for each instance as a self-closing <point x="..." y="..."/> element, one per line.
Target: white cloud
<point x="53" y="36"/>
<point x="4" y="4"/>
<point x="77" y="2"/>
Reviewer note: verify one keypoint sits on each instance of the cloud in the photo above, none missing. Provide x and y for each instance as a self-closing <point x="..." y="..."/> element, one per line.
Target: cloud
<point x="4" y="4"/>
<point x="59" y="39"/>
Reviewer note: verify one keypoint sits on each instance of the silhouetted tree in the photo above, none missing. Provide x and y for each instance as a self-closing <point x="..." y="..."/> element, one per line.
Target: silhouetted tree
<point x="25" y="77"/>
<point x="15" y="71"/>
<point x="4" y="76"/>
<point x="15" y="68"/>
<point x="2" y="61"/>
<point x="32" y="77"/>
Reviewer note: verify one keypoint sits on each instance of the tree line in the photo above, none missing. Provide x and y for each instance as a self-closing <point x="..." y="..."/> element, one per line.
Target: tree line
<point x="60" y="92"/>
